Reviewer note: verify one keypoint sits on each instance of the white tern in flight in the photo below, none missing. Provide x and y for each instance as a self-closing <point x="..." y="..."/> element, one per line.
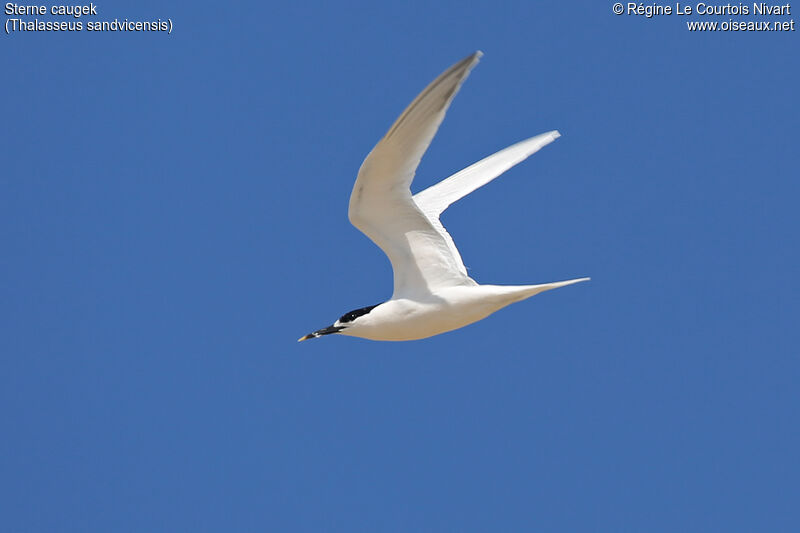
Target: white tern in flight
<point x="432" y="291"/>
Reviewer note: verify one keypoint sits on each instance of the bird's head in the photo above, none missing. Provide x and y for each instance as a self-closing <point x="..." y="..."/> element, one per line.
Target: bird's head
<point x="345" y="321"/>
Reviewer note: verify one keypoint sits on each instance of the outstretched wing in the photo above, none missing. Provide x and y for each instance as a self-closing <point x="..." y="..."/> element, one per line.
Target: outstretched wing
<point x="436" y="198"/>
<point x="381" y="205"/>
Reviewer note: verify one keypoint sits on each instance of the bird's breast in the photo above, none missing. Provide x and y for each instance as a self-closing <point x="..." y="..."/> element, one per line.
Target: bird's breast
<point x="408" y="319"/>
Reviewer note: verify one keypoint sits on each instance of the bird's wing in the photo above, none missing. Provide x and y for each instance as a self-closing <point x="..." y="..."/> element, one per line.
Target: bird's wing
<point x="381" y="206"/>
<point x="436" y="198"/>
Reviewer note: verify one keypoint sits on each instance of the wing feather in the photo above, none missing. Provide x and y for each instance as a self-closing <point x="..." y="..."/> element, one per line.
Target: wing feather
<point x="381" y="205"/>
<point x="423" y="255"/>
<point x="436" y="198"/>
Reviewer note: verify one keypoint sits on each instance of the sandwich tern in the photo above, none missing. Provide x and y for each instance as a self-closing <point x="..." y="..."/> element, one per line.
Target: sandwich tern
<point x="432" y="291"/>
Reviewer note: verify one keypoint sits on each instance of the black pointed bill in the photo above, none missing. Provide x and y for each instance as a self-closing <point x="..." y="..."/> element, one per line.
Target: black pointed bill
<point x="321" y="332"/>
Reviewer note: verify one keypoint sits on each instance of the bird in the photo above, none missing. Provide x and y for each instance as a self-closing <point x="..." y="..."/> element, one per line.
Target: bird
<point x="432" y="293"/>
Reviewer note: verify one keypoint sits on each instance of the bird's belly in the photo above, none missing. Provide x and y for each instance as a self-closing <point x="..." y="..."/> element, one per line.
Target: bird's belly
<point x="421" y="320"/>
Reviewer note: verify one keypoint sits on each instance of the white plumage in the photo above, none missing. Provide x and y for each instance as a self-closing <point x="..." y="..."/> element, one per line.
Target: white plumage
<point x="432" y="291"/>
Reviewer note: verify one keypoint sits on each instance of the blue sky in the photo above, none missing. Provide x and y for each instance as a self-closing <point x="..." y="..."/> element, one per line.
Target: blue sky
<point x="173" y="218"/>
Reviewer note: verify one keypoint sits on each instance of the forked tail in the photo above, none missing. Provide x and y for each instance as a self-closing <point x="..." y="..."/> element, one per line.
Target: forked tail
<point x="526" y="291"/>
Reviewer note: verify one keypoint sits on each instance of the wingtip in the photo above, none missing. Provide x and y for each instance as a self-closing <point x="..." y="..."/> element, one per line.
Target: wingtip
<point x="472" y="59"/>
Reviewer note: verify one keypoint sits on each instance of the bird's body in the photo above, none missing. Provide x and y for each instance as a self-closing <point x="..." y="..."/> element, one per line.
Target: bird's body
<point x="432" y="291"/>
<point x="405" y="319"/>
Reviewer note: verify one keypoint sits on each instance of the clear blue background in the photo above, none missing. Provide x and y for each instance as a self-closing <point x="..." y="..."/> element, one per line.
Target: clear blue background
<point x="173" y="218"/>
